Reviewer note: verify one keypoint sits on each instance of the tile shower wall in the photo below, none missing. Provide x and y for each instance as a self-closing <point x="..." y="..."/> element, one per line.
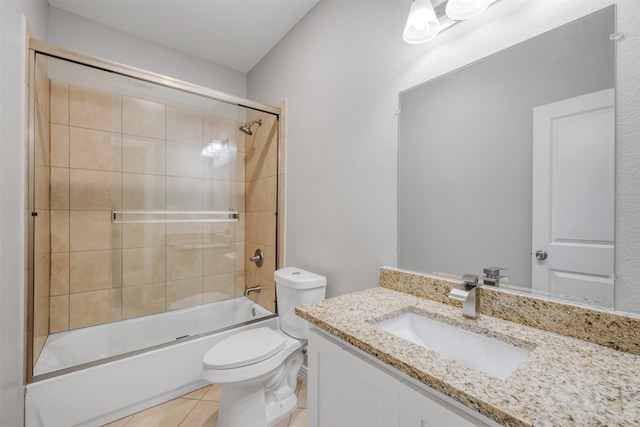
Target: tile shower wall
<point x="261" y="175"/>
<point x="118" y="152"/>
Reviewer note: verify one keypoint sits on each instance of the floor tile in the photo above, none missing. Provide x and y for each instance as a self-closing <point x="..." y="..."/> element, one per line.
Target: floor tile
<point x="299" y="418"/>
<point x="198" y="394"/>
<point x="120" y="423"/>
<point x="200" y="409"/>
<point x="205" y="414"/>
<point x="169" y="414"/>
<point x="214" y="394"/>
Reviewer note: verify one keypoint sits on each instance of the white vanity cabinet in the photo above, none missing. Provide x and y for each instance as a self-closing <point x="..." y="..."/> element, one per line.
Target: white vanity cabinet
<point x="348" y="388"/>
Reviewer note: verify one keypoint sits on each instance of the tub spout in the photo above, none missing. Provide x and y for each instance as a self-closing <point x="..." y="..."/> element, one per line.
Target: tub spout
<point x="253" y="289"/>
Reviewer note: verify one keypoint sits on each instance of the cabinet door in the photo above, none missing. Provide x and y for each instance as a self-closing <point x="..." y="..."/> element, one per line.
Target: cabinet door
<point x="346" y="391"/>
<point x="419" y="409"/>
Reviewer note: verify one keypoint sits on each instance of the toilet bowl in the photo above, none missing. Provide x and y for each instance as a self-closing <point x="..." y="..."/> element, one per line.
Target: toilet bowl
<point x="258" y="368"/>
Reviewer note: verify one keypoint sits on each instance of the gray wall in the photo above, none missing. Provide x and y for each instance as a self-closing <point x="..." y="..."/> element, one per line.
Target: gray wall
<point x="12" y="188"/>
<point x="85" y="36"/>
<point x="465" y="150"/>
<point x="341" y="69"/>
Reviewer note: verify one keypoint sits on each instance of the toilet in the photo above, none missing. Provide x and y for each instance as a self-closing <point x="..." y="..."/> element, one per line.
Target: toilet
<point x="258" y="368"/>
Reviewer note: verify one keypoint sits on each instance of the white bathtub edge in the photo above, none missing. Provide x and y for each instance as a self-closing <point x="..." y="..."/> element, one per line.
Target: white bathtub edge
<point x="111" y="391"/>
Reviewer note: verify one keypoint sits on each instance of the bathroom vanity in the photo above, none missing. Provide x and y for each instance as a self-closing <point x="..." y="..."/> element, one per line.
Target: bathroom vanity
<point x="362" y="374"/>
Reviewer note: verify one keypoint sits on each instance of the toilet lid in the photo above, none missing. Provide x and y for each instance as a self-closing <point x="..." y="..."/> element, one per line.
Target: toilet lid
<point x="245" y="348"/>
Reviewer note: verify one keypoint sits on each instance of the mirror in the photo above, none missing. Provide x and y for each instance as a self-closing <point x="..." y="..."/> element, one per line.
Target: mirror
<point x="513" y="155"/>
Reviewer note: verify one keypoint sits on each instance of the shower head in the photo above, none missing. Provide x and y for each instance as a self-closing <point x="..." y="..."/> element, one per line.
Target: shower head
<point x="246" y="128"/>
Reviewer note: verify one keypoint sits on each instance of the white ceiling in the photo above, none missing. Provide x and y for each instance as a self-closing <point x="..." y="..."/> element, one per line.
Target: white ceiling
<point x="233" y="33"/>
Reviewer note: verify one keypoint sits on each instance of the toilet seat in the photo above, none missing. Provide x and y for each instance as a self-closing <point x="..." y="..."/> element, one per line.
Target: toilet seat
<point x="273" y="352"/>
<point x="244" y="349"/>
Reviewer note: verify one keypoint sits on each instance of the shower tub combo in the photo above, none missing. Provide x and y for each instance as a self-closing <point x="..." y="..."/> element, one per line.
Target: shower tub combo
<point x="104" y="392"/>
<point x="146" y="195"/>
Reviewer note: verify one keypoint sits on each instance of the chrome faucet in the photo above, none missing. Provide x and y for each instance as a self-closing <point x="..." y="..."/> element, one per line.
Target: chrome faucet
<point x="253" y="289"/>
<point x="467" y="293"/>
<point x="492" y="276"/>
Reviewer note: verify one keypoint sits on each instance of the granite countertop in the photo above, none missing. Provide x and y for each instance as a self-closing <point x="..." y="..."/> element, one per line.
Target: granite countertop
<point x="564" y="381"/>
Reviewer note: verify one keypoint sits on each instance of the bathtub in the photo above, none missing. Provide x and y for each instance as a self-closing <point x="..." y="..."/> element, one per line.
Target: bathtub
<point x="126" y="380"/>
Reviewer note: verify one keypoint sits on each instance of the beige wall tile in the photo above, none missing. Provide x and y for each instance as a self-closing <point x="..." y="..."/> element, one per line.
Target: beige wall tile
<point x="90" y="230"/>
<point x="42" y="187"/>
<point x="266" y="297"/>
<point x="256" y="197"/>
<point x="268" y="266"/>
<point x="272" y="157"/>
<point x="240" y="227"/>
<point x="143" y="118"/>
<point x="59" y="188"/>
<point x="216" y="126"/>
<point x="115" y="304"/>
<point x="143" y="192"/>
<point x="240" y="139"/>
<point x="43" y="231"/>
<point x="271" y="202"/>
<point x="222" y="166"/>
<point x="90" y="108"/>
<point x="241" y="170"/>
<point x="42" y="83"/>
<point x="41" y="268"/>
<point x="240" y="283"/>
<point x="180" y="234"/>
<point x="90" y="271"/>
<point x="59" y="314"/>
<point x="90" y="308"/>
<point x="185" y="125"/>
<point x="91" y="149"/>
<point x="256" y="227"/>
<point x="60" y="145"/>
<point x="219" y="232"/>
<point x="94" y="190"/>
<point x="59" y="231"/>
<point x="219" y="259"/>
<point x="218" y="195"/>
<point x="42" y="138"/>
<point x="184" y="262"/>
<point x="268" y="223"/>
<point x="143" y="300"/>
<point x="40" y="321"/>
<point x="184" y="160"/>
<point x="219" y="287"/>
<point x="144" y="155"/>
<point x="184" y="194"/>
<point x="59" y="273"/>
<point x="59" y="103"/>
<point x="143" y="235"/>
<point x="143" y="266"/>
<point x="240" y="256"/>
<point x="184" y="293"/>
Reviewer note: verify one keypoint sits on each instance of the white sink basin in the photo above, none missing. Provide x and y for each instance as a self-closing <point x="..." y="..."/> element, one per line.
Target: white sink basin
<point x="489" y="355"/>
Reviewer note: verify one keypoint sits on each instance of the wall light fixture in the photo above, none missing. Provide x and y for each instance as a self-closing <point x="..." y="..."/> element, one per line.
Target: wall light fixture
<point x="422" y="23"/>
<point x="425" y="21"/>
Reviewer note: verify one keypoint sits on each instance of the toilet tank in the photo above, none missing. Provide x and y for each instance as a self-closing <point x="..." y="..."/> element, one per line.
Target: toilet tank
<point x="295" y="287"/>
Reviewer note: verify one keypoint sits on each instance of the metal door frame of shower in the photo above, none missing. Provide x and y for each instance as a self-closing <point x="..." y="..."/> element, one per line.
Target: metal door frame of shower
<point x="35" y="47"/>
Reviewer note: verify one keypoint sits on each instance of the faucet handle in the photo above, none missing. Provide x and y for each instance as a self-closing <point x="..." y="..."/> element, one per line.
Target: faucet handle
<point x="493" y="272"/>
<point x="470" y="281"/>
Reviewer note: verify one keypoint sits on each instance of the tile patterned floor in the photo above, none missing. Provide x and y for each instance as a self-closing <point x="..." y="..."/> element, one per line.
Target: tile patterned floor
<point x="200" y="409"/>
